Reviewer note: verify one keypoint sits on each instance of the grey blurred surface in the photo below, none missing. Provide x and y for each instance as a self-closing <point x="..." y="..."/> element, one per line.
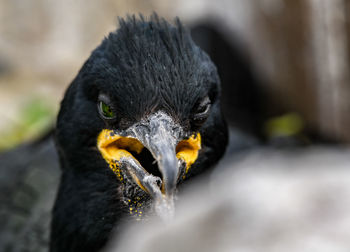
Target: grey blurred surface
<point x="257" y="199"/>
<point x="267" y="200"/>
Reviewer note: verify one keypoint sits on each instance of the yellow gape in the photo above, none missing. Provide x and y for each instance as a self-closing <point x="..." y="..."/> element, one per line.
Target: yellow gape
<point x="113" y="147"/>
<point x="187" y="150"/>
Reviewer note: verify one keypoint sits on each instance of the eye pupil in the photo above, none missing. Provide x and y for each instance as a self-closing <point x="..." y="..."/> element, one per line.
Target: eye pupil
<point x="106" y="110"/>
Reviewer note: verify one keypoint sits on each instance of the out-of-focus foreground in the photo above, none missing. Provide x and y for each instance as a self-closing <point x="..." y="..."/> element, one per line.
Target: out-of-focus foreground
<point x="265" y="201"/>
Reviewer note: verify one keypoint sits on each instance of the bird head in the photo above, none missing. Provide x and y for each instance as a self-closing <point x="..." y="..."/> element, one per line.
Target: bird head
<point x="142" y="116"/>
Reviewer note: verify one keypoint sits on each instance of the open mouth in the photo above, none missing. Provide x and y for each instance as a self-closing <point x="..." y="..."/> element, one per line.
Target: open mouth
<point x="147" y="161"/>
<point x="127" y="155"/>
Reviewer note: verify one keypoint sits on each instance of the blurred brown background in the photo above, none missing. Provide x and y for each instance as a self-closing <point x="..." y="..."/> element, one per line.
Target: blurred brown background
<point x="299" y="49"/>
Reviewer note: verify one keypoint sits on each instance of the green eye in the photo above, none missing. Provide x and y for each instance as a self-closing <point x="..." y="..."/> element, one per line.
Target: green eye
<point x="106" y="110"/>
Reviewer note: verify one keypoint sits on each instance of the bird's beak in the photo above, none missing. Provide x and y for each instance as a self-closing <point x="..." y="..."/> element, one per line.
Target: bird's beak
<point x="164" y="140"/>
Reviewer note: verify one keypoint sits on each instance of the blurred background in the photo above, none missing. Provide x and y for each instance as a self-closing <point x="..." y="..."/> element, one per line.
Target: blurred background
<point x="297" y="50"/>
<point x="284" y="67"/>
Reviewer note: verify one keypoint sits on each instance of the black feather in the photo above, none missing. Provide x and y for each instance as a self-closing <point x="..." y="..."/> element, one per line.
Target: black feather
<point x="145" y="66"/>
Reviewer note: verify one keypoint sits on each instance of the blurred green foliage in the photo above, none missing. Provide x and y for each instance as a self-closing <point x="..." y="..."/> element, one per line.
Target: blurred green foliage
<point x="287" y="125"/>
<point x="34" y="118"/>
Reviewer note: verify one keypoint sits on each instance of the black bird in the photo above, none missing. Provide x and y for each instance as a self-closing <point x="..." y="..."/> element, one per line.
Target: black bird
<point x="142" y="116"/>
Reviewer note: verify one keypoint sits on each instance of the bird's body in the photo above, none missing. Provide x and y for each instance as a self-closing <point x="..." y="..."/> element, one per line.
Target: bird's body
<point x="142" y="116"/>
